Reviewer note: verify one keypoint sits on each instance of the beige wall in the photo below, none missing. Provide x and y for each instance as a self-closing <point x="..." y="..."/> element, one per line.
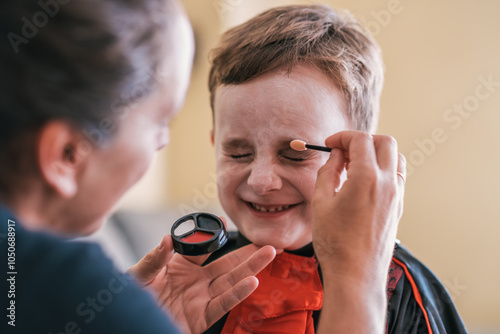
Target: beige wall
<point x="435" y="54"/>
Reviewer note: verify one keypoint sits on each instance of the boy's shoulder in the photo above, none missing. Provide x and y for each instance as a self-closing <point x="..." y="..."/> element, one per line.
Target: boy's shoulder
<point x="413" y="287"/>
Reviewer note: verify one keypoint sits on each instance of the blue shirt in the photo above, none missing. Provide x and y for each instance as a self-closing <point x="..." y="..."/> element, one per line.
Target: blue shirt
<point x="52" y="286"/>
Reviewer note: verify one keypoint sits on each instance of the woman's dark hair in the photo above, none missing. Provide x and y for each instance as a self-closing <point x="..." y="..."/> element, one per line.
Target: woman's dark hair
<point x="75" y="60"/>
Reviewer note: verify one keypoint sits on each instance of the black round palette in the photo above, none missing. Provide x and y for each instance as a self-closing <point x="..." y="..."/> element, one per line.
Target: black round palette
<point x="198" y="234"/>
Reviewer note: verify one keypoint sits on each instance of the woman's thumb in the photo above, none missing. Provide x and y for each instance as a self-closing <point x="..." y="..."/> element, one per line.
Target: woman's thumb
<point x="152" y="263"/>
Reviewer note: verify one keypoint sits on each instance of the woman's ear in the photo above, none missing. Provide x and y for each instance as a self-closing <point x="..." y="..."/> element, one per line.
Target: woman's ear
<point x="57" y="156"/>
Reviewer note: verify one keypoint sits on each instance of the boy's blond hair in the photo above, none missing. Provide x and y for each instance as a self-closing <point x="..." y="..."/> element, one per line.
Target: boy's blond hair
<point x="282" y="37"/>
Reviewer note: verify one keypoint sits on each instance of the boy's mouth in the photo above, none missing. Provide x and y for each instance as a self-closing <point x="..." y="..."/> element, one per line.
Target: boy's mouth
<point x="270" y="208"/>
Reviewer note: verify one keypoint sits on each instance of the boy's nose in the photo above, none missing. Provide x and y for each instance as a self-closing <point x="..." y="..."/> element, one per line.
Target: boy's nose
<point x="263" y="178"/>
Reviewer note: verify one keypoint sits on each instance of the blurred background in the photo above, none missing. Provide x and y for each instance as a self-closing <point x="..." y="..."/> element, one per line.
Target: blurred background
<point x="441" y="101"/>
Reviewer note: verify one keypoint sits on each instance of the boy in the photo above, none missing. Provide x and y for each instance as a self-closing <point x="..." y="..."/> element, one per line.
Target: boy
<point x="300" y="72"/>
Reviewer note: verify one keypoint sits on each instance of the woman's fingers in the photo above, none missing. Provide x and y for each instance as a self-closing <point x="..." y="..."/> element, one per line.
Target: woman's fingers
<point x="226" y="301"/>
<point x="199" y="259"/>
<point x="401" y="176"/>
<point x="250" y="267"/>
<point x="329" y="175"/>
<point x="237" y="266"/>
<point x="401" y="170"/>
<point x="366" y="149"/>
<point x="229" y="289"/>
<point x="239" y="256"/>
<point x="358" y="144"/>
<point x="386" y="151"/>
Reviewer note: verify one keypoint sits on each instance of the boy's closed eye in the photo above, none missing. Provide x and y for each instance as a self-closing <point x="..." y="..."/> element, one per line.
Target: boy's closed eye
<point x="240" y="156"/>
<point x="237" y="149"/>
<point x="295" y="156"/>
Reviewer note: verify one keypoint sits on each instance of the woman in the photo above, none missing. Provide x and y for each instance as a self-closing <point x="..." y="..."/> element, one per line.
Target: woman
<point x="88" y="90"/>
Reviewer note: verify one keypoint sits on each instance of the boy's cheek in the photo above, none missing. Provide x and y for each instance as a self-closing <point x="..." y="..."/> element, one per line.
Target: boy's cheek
<point x="228" y="173"/>
<point x="304" y="181"/>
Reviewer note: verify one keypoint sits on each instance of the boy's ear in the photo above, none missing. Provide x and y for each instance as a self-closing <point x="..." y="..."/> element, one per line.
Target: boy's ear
<point x="57" y="157"/>
<point x="212" y="136"/>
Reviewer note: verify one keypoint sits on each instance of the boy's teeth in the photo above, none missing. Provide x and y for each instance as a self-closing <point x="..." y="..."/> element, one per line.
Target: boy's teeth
<point x="270" y="209"/>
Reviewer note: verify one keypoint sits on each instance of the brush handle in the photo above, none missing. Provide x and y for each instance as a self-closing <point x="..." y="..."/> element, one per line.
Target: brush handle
<point x="318" y="148"/>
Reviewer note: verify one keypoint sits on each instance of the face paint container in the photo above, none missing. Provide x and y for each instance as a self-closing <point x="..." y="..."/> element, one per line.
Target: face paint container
<point x="198" y="234"/>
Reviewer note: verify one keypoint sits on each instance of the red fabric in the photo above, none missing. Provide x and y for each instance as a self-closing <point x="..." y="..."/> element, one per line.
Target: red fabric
<point x="395" y="274"/>
<point x="289" y="291"/>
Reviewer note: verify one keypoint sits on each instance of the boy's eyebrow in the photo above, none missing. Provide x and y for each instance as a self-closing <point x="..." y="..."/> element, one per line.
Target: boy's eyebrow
<point x="235" y="143"/>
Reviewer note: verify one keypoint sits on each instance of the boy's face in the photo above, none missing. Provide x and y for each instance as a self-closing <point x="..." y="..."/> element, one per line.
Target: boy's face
<point x="264" y="186"/>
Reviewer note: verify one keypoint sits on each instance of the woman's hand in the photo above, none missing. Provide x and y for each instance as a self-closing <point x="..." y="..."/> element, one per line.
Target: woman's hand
<point x="355" y="225"/>
<point x="199" y="296"/>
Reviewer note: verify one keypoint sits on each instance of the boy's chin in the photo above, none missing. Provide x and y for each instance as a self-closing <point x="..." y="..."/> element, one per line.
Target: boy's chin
<point x="279" y="245"/>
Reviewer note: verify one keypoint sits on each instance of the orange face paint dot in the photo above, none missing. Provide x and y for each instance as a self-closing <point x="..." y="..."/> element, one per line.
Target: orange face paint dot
<point x="197" y="236"/>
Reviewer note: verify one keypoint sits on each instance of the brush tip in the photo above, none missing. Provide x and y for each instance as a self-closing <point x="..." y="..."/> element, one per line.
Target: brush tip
<point x="298" y="145"/>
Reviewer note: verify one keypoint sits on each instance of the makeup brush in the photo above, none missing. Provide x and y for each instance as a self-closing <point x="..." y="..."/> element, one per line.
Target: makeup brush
<point x="299" y="145"/>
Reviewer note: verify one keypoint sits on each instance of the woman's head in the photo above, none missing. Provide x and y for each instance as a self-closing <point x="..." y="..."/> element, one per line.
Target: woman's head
<point x="87" y="90"/>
